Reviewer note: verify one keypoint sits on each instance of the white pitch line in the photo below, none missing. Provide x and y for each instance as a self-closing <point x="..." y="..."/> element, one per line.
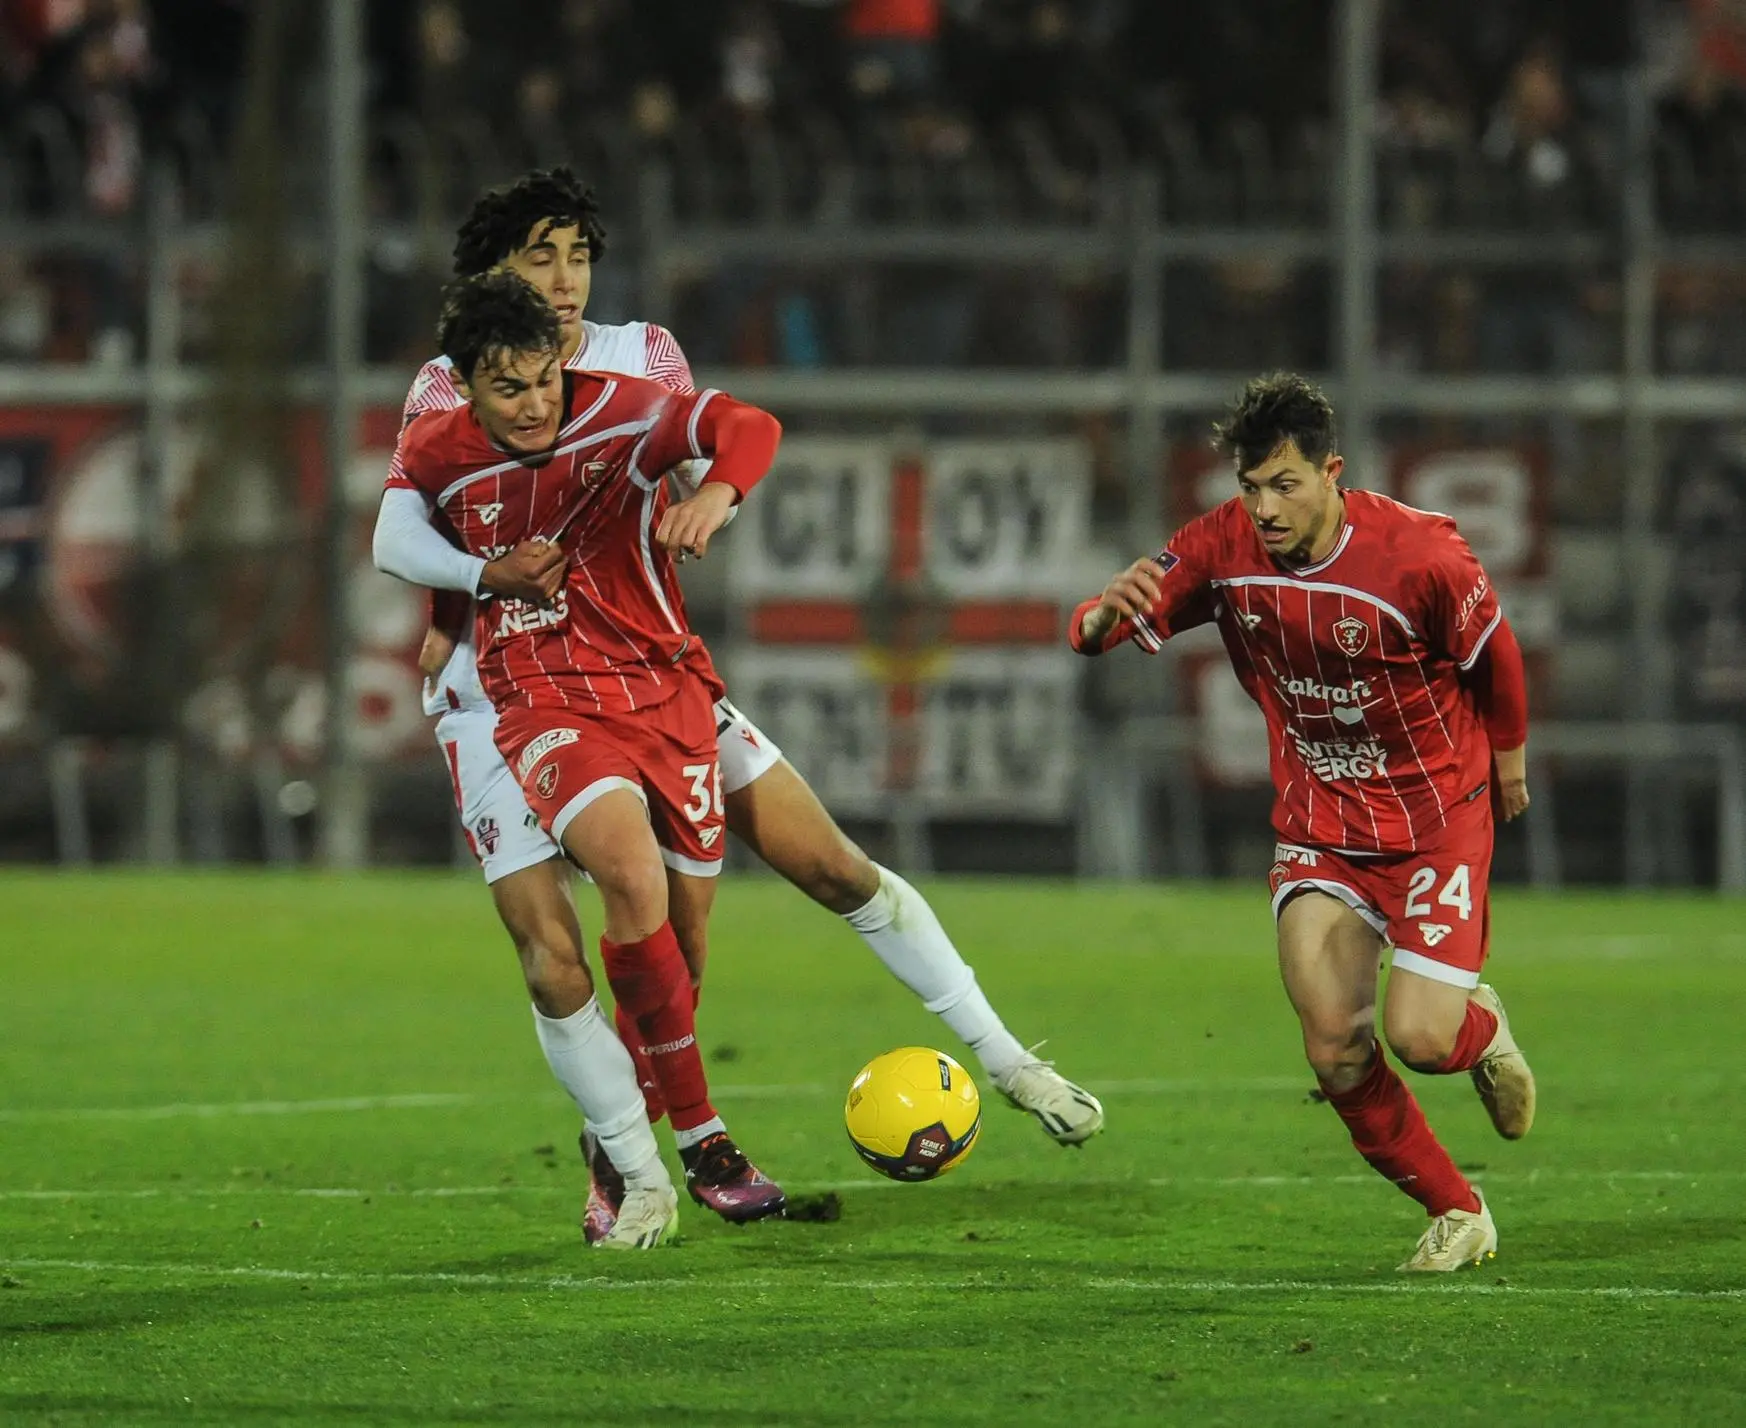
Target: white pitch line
<point x="769" y="1283"/>
<point x="417" y="1101"/>
<point x="865" y="1183"/>
<point x="442" y="1100"/>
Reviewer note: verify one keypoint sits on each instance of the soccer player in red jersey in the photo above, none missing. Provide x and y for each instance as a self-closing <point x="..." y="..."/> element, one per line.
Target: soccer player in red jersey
<point x="603" y="695"/>
<point x="546" y="227"/>
<point x="1396" y="713"/>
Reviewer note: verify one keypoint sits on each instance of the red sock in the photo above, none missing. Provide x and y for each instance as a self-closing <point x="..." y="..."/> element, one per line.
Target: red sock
<point x="633" y="1043"/>
<point x="650" y="982"/>
<point x="1477" y="1030"/>
<point x="1389" y="1131"/>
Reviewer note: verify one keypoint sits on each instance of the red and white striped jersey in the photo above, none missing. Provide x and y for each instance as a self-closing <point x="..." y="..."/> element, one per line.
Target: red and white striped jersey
<point x="1355" y="661"/>
<point x="637" y="349"/>
<point x="617" y="639"/>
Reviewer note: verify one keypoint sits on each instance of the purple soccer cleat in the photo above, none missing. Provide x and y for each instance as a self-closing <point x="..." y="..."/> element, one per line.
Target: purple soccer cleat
<point x="605" y="1191"/>
<point x="719" y="1177"/>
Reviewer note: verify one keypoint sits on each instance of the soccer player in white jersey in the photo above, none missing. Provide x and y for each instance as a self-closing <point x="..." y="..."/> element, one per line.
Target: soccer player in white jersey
<point x="546" y="227"/>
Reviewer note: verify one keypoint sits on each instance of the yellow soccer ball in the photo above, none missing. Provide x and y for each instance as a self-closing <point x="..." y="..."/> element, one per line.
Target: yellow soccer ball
<point x="913" y="1113"/>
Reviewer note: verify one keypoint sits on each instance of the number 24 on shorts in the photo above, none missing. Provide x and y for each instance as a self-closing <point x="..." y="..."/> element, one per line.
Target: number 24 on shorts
<point x="1456" y="893"/>
<point x="706" y="792"/>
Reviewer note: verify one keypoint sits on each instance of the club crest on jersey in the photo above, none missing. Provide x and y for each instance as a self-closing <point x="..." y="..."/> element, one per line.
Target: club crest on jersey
<point x="1351" y="635"/>
<point x="490" y="513"/>
<point x="547" y="782"/>
<point x="485" y="830"/>
<point x="542" y="745"/>
<point x="1168" y="560"/>
<point x="593" y="473"/>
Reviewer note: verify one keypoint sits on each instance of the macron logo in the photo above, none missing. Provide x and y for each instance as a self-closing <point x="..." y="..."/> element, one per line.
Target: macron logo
<point x="1434" y="932"/>
<point x="708" y="836"/>
<point x="490" y="513"/>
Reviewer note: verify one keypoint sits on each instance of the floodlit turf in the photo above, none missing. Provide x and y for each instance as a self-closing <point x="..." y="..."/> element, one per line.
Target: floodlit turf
<point x="282" y="1149"/>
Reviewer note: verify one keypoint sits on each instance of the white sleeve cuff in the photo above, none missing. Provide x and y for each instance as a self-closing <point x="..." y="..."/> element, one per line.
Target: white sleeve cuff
<point x="406" y="545"/>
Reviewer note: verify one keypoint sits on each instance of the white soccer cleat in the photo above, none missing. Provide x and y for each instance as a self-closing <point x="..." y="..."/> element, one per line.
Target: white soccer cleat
<point x="1455" y="1239"/>
<point x="646" y="1218"/>
<point x="1502" y="1077"/>
<point x="1069" y="1114"/>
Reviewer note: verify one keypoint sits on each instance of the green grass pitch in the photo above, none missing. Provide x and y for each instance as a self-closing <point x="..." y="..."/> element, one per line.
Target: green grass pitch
<point x="282" y="1149"/>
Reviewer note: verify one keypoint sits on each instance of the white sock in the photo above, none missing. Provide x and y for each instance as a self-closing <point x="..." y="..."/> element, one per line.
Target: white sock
<point x="591" y="1063"/>
<point x="685" y="1139"/>
<point x="903" y="932"/>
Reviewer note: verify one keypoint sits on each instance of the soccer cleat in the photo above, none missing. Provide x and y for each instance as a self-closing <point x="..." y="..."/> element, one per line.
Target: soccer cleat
<point x="646" y="1218"/>
<point x="1069" y="1114"/>
<point x="1502" y="1077"/>
<point x="719" y="1177"/>
<point x="605" y="1190"/>
<point x="1456" y="1238"/>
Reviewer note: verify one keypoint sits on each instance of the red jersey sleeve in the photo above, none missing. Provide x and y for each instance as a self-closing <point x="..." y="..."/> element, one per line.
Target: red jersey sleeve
<point x="1185" y="600"/>
<point x="1461" y="612"/>
<point x="1499" y="682"/>
<point x="664" y="362"/>
<point x="739" y="439"/>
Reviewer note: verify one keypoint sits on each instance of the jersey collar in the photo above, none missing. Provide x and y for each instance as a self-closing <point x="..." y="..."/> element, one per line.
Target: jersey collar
<point x="1299" y="572"/>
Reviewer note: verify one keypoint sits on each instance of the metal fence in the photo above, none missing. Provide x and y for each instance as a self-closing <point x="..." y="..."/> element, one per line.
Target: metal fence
<point x="871" y="263"/>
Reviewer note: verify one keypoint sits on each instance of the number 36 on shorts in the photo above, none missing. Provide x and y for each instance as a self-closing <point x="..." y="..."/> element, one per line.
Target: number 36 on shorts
<point x="705" y="801"/>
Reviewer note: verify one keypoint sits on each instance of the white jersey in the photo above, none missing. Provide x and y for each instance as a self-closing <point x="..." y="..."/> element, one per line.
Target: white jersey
<point x="637" y="349"/>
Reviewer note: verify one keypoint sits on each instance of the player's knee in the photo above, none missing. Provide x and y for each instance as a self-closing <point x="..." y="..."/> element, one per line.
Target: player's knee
<point x="1338" y="1049"/>
<point x="633" y="885"/>
<point x="1420" y="1044"/>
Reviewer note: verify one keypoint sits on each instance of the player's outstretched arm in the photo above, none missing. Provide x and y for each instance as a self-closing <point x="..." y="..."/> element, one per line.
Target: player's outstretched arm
<point x="741" y="442"/>
<point x="1103" y="623"/>
<point x="408" y="546"/>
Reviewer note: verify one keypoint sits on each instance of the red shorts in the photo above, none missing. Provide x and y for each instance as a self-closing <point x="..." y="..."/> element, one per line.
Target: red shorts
<point x="565" y="759"/>
<point x="1433" y="906"/>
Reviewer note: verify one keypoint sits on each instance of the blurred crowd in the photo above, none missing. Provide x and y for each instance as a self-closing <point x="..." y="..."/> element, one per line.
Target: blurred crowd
<point x="1493" y="113"/>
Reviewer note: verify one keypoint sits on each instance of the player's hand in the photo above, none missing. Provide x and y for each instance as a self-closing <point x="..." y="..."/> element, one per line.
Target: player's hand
<point x="1135" y="590"/>
<point x="1512" y="782"/>
<point x="433" y="654"/>
<point x="688" y="525"/>
<point x="534" y="571"/>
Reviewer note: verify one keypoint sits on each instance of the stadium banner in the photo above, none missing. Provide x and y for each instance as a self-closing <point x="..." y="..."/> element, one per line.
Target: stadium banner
<point x="977" y="733"/>
<point x="818" y="526"/>
<point x="899" y="613"/>
<point x="837" y="519"/>
<point x="72" y="531"/>
<point x="1006" y="519"/>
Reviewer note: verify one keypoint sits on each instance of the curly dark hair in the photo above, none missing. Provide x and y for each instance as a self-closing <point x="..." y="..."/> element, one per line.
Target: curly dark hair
<point x="488" y="315"/>
<point x="1272" y="410"/>
<point x="502" y="218"/>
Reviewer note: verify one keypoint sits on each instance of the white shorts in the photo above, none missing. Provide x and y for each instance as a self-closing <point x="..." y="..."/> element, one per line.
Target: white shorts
<point x="747" y="753"/>
<point x="503" y="831"/>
